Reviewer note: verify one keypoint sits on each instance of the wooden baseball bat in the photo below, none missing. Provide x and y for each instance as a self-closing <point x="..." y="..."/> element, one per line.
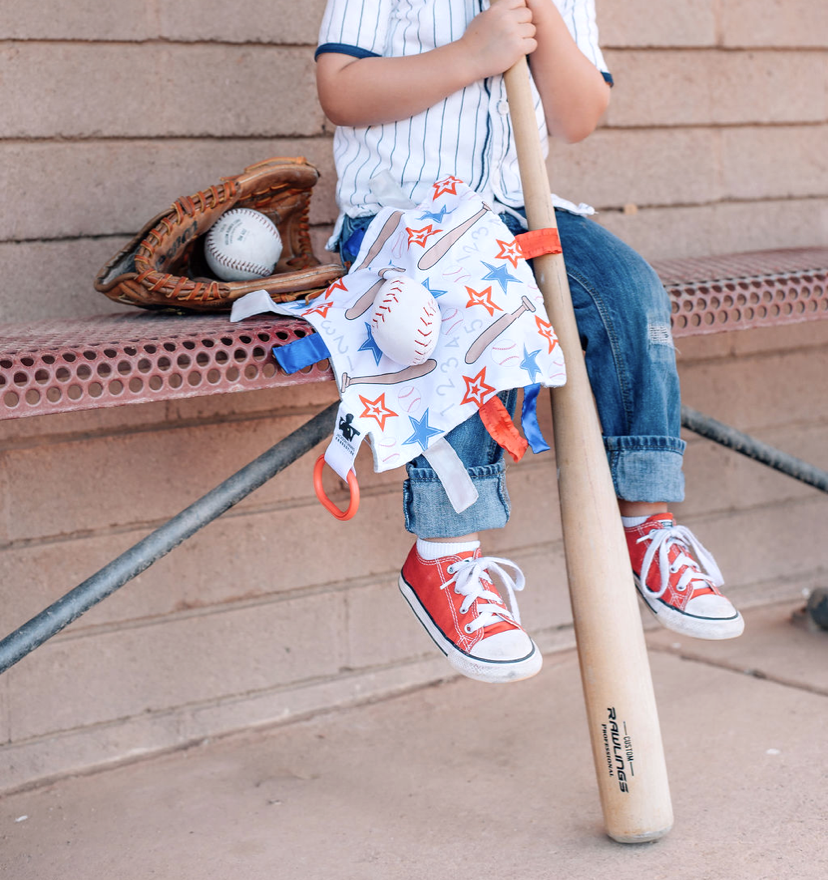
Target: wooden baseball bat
<point x="615" y="672"/>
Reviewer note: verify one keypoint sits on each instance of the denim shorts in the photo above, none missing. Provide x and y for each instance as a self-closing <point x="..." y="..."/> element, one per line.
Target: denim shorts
<point x="623" y="316"/>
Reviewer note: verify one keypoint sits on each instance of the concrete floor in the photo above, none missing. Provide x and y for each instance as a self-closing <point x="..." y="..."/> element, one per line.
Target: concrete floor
<point x="464" y="779"/>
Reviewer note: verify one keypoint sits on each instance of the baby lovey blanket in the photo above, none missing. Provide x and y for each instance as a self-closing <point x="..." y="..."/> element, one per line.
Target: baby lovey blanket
<point x="494" y="331"/>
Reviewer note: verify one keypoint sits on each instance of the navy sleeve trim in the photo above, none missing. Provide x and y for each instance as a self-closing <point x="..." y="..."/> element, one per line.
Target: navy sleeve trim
<point x="608" y="78"/>
<point x="344" y="49"/>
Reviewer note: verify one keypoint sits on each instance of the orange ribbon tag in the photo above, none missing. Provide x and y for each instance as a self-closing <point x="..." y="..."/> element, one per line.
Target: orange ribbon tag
<point x="537" y="242"/>
<point x="499" y="424"/>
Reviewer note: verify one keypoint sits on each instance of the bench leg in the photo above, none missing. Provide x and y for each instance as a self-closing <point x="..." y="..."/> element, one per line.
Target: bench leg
<point x="150" y="549"/>
<point x="718" y="432"/>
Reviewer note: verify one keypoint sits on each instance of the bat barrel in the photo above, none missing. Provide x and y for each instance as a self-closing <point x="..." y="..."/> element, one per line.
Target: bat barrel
<point x="618" y="690"/>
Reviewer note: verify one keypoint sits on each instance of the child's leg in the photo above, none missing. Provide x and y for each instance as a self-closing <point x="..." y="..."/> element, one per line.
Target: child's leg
<point x="428" y="512"/>
<point x="446" y="581"/>
<point x="623" y="315"/>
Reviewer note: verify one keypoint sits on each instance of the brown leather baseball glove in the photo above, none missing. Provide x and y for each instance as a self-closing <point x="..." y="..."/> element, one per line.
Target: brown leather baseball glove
<point x="164" y="266"/>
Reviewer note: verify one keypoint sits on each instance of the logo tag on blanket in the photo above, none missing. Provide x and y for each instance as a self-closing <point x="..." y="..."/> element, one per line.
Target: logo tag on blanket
<point x="492" y="331"/>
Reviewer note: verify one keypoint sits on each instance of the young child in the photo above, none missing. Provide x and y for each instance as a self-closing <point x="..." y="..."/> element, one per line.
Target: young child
<point x="417" y="94"/>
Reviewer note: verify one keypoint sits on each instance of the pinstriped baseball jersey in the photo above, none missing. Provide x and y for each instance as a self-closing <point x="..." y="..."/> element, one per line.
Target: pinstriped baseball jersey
<point x="467" y="135"/>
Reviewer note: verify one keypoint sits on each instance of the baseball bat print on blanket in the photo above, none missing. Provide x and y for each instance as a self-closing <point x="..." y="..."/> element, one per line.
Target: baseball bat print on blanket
<point x="620" y="701"/>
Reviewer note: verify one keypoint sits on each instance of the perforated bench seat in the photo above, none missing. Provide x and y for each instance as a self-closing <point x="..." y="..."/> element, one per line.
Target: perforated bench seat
<point x="67" y="365"/>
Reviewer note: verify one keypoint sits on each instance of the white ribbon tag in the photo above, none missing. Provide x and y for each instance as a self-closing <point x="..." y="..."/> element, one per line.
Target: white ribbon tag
<point x="452" y="473"/>
<point x="253" y="303"/>
<point x="344" y="445"/>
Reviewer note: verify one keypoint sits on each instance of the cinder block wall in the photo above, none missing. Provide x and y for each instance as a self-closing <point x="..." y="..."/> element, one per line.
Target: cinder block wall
<point x="716" y="135"/>
<point x="715" y="142"/>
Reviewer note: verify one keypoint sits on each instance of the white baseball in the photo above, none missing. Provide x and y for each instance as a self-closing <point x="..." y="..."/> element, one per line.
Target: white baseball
<point x="242" y="245"/>
<point x="405" y="321"/>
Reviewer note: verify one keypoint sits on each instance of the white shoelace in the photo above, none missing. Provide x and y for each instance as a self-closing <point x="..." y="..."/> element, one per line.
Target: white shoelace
<point x="467" y="579"/>
<point x="661" y="541"/>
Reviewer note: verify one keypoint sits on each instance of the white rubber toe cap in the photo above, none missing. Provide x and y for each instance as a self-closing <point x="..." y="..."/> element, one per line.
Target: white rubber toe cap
<point x="710" y="607"/>
<point x="512" y="645"/>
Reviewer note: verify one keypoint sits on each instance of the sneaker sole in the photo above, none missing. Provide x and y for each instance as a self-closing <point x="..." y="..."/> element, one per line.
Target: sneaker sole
<point x="712" y="629"/>
<point x="491" y="671"/>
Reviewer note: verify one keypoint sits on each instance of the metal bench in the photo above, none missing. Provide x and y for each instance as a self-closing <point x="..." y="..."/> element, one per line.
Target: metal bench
<point x="111" y="360"/>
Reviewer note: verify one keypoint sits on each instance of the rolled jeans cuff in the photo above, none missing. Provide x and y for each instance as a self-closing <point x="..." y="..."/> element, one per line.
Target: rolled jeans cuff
<point x="646" y="468"/>
<point x="428" y="511"/>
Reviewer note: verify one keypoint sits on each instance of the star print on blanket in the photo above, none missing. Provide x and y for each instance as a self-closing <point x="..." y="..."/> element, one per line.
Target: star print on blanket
<point x="494" y="333"/>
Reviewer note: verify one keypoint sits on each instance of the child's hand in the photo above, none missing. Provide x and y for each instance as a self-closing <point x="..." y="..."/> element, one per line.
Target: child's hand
<point x="498" y="37"/>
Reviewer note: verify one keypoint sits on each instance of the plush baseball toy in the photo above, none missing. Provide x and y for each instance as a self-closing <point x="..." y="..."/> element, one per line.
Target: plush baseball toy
<point x="405" y="321"/>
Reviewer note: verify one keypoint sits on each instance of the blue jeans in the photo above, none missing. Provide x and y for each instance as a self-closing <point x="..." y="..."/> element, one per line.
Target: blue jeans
<point x="623" y="316"/>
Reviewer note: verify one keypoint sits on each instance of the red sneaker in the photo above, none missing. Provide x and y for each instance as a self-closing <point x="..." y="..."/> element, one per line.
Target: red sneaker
<point x="683" y="596"/>
<point x="456" y="601"/>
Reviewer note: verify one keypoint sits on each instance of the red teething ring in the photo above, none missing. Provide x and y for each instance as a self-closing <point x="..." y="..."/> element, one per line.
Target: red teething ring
<point x="353" y="485"/>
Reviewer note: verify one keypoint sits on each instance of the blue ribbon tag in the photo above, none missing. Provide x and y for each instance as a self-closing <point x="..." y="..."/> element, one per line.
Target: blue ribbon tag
<point x="529" y="419"/>
<point x="301" y="353"/>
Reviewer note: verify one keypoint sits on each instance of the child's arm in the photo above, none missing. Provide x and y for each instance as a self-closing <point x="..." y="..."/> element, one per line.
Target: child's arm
<point x="572" y="89"/>
<point x="370" y="91"/>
